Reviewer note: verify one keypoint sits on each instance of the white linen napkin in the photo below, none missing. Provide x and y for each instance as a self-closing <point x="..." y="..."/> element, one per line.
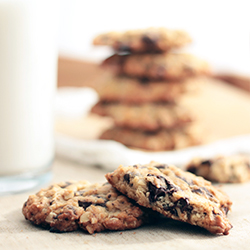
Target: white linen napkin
<point x="111" y="154"/>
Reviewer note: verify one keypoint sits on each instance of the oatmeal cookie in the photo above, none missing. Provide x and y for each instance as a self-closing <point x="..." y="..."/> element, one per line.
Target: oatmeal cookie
<point x="174" y="193"/>
<point x="147" y="116"/>
<point x="224" y="169"/>
<point x="69" y="206"/>
<point x="153" y="39"/>
<point x="169" y="66"/>
<point x="159" y="140"/>
<point x="129" y="90"/>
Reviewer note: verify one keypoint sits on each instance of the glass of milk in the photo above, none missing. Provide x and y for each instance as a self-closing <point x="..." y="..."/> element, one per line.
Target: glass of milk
<point x="28" y="75"/>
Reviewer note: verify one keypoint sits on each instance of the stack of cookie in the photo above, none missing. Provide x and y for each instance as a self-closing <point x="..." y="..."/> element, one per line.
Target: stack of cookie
<point x="142" y="93"/>
<point x="221" y="168"/>
<point x="129" y="200"/>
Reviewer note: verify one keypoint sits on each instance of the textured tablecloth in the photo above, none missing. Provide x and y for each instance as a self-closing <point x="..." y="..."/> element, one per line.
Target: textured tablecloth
<point x="17" y="233"/>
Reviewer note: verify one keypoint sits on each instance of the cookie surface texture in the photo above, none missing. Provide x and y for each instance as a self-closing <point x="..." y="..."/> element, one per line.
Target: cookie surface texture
<point x="159" y="140"/>
<point x="70" y="206"/>
<point x="147" y="117"/>
<point x="152" y="39"/>
<point x="169" y="66"/>
<point x="174" y="193"/>
<point x="129" y="90"/>
<point x="222" y="169"/>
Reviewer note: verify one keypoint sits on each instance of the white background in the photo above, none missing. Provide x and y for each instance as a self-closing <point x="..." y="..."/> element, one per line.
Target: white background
<point x="220" y="29"/>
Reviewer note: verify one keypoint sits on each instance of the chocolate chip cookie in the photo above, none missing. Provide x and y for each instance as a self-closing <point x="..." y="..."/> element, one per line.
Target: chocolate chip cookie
<point x="224" y="169"/>
<point x="174" y="193"/>
<point x="147" y="116"/>
<point x="153" y="39"/>
<point x="69" y="206"/>
<point x="128" y="90"/>
<point x="168" y="66"/>
<point x="159" y="140"/>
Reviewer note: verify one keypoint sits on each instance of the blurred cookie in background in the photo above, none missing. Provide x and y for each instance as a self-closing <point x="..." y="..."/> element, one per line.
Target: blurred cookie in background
<point x="222" y="169"/>
<point x="152" y="39"/>
<point x="149" y="76"/>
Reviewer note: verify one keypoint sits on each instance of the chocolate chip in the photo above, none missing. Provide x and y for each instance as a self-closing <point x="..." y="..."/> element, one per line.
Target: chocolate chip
<point x="207" y="192"/>
<point x="192" y="169"/>
<point x="55" y="230"/>
<point x="171" y="188"/>
<point x="109" y="196"/>
<point x="154" y="192"/>
<point x="216" y="213"/>
<point x="203" y="191"/>
<point x="207" y="162"/>
<point x="101" y="204"/>
<point x="150" y="132"/>
<point x="51" y="202"/>
<point x="197" y="191"/>
<point x="56" y="216"/>
<point x="84" y="204"/>
<point x="225" y="209"/>
<point x="144" y="80"/>
<point x="182" y="203"/>
<point x="173" y="211"/>
<point x="189" y="182"/>
<point x="163" y="166"/>
<point x="149" y="41"/>
<point x="126" y="178"/>
<point x="123" y="48"/>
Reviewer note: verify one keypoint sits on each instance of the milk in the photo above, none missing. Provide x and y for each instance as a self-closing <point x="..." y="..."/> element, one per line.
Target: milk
<point x="28" y="67"/>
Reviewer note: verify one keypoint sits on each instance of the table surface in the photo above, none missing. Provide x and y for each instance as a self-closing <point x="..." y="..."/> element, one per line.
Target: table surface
<point x="224" y="111"/>
<point x="17" y="233"/>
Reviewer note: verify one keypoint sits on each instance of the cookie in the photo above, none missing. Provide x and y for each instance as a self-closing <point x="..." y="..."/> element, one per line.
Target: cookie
<point x="153" y="39"/>
<point x="174" y="193"/>
<point x="69" y="206"/>
<point x="129" y="90"/>
<point x="160" y="140"/>
<point x="224" y="169"/>
<point x="147" y="116"/>
<point x="169" y="66"/>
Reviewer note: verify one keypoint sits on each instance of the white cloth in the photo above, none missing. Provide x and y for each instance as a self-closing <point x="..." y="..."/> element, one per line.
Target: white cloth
<point x="73" y="102"/>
